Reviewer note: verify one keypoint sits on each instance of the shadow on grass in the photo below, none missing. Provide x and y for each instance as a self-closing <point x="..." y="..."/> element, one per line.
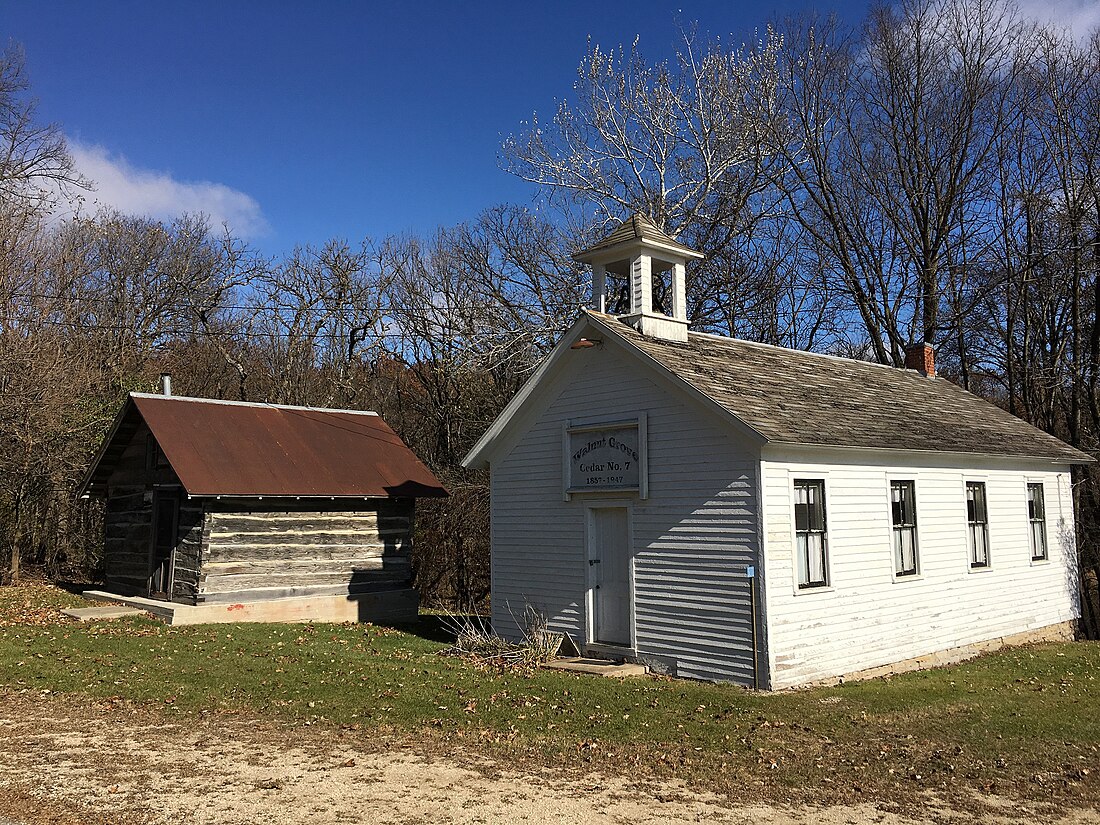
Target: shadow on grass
<point x="437" y="627"/>
<point x="77" y="588"/>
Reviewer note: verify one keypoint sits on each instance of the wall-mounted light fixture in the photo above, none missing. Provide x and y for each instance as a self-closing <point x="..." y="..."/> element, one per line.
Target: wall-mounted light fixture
<point x="585" y="343"/>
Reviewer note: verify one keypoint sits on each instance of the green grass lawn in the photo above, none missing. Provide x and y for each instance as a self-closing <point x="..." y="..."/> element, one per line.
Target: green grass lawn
<point x="1024" y="722"/>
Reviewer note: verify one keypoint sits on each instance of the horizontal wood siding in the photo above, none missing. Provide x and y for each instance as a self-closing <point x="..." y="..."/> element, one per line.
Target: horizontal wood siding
<point x="279" y="551"/>
<point x="692" y="538"/>
<point x="867" y="617"/>
<point x="127" y="524"/>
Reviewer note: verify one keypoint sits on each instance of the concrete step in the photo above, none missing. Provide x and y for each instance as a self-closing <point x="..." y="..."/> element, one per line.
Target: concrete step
<point x="597" y="667"/>
<point x="91" y="614"/>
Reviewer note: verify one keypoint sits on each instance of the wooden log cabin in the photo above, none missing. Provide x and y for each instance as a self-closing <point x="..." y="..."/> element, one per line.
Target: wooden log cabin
<point x="219" y="502"/>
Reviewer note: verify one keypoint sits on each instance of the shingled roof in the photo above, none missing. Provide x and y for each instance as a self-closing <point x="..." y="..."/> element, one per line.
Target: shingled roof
<point x="637" y="227"/>
<point x="231" y="448"/>
<point x="794" y="397"/>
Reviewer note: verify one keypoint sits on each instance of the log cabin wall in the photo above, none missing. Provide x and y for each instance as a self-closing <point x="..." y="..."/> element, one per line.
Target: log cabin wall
<point x="129" y="517"/>
<point x="253" y="549"/>
<point x="189" y="548"/>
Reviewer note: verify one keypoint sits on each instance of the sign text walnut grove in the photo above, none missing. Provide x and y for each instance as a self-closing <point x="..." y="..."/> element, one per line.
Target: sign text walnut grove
<point x="605" y="458"/>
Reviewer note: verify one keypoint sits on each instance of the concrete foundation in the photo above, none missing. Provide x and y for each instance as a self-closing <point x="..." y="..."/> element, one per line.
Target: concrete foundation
<point x="384" y="607"/>
<point x="1063" y="632"/>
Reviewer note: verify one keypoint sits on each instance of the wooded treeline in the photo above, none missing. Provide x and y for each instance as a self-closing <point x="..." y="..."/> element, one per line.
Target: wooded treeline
<point x="930" y="175"/>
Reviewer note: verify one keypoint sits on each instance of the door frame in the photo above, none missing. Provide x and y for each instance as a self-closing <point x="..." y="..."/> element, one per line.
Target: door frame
<point x="159" y="495"/>
<point x="590" y="573"/>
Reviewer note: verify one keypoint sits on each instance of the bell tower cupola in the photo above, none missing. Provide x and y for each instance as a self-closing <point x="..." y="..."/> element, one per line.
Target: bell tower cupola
<point x="638" y="276"/>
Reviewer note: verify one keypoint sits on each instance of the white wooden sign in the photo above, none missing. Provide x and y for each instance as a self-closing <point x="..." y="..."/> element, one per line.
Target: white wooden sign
<point x="605" y="457"/>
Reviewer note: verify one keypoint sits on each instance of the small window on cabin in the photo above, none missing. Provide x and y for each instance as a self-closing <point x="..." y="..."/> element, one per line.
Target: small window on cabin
<point x="977" y="524"/>
<point x="1037" y="522"/>
<point x="154" y="456"/>
<point x="809" y="525"/>
<point x="903" y="505"/>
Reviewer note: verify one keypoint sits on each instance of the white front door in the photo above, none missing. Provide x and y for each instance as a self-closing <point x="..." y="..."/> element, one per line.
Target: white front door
<point x="609" y="561"/>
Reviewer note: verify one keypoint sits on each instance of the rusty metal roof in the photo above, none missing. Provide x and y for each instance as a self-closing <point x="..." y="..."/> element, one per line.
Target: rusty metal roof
<point x="229" y="448"/>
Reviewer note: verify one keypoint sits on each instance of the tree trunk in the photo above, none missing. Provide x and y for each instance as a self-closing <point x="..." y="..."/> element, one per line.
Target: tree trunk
<point x="16" y="540"/>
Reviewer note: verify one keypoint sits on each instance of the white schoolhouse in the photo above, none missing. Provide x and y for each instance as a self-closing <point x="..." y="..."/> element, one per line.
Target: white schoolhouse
<point x="725" y="510"/>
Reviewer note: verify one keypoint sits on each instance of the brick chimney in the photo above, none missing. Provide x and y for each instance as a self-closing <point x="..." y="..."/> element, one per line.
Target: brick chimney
<point x="922" y="358"/>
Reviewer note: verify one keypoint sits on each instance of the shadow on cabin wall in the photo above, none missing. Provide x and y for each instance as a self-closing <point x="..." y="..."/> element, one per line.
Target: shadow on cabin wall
<point x="380" y="593"/>
<point x="386" y="596"/>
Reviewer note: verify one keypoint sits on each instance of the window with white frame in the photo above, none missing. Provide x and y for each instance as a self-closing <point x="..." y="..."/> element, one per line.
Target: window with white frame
<point x="903" y="507"/>
<point x="809" y="525"/>
<point x="977" y="524"/>
<point x="1037" y="522"/>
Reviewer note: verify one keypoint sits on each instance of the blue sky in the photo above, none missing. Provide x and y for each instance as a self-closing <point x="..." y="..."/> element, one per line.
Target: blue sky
<point x="298" y="122"/>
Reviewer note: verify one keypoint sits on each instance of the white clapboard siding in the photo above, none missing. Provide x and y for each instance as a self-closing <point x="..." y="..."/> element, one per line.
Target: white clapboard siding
<point x="867" y="617"/>
<point x="692" y="538"/>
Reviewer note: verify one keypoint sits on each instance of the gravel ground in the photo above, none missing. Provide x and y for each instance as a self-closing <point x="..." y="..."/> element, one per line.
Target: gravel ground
<point x="63" y="762"/>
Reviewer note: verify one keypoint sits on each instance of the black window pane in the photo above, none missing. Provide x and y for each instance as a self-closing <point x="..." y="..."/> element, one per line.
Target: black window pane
<point x="1035" y="501"/>
<point x="816" y="514"/>
<point x="975" y="502"/>
<point x="904" y="509"/>
<point x="802" y="517"/>
<point x="809" y="508"/>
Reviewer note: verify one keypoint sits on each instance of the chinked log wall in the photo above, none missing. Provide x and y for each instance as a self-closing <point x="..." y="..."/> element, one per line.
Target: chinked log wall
<point x="187" y="565"/>
<point x="274" y="552"/>
<point x="128" y="527"/>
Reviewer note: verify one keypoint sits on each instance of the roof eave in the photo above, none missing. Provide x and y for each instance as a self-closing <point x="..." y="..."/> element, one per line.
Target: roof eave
<point x="89" y="475"/>
<point x="601" y="254"/>
<point x="1084" y="458"/>
<point x="478" y="456"/>
<point x="438" y="492"/>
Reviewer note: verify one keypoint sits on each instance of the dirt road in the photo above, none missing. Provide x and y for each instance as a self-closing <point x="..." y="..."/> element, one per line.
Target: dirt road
<point x="63" y="761"/>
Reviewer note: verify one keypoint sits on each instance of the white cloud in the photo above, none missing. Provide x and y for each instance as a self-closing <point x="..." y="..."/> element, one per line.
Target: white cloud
<point x="150" y="193"/>
<point x="1079" y="17"/>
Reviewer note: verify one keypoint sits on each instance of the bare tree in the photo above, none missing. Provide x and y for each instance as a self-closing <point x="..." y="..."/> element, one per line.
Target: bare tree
<point x="522" y="282"/>
<point x="36" y="168"/>
<point x="311" y="318"/>
<point x="889" y="140"/>
<point x="679" y="141"/>
<point x="663" y="139"/>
